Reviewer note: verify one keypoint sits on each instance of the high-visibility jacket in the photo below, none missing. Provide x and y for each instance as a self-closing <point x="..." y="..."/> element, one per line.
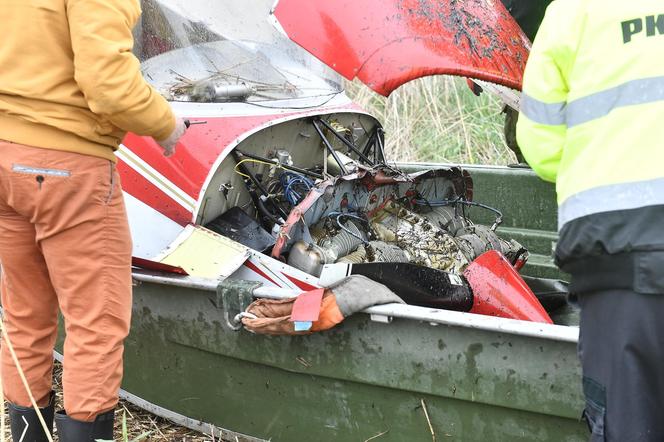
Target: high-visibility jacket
<point x="592" y="120"/>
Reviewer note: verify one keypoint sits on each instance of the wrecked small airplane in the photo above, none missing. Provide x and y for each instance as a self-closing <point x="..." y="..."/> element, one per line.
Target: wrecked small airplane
<point x="282" y="185"/>
<point x="294" y="177"/>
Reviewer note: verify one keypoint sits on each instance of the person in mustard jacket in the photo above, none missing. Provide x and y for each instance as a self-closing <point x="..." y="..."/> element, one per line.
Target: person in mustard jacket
<point x="591" y="121"/>
<point x="70" y="89"/>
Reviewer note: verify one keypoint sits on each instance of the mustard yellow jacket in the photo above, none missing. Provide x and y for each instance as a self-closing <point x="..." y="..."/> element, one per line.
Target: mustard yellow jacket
<point x="68" y="78"/>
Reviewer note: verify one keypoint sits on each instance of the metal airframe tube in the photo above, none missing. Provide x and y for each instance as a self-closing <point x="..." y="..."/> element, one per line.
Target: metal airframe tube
<point x="381" y="149"/>
<point x="245" y="170"/>
<point x="330" y="149"/>
<point x="369" y="144"/>
<point x="348" y="143"/>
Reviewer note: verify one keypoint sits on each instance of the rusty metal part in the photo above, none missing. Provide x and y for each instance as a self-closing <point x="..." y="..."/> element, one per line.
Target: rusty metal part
<point x="425" y="243"/>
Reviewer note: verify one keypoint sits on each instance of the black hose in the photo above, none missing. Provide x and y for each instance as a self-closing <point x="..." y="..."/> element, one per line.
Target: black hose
<point x="260" y="206"/>
<point x="245" y="170"/>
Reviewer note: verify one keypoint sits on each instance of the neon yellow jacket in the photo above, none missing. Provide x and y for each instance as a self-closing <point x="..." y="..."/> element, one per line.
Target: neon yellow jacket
<point x="592" y="120"/>
<point x="593" y="109"/>
<point x="68" y="78"/>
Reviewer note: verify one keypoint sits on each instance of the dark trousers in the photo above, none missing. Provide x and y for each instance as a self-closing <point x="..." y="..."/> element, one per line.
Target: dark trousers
<point x="621" y="347"/>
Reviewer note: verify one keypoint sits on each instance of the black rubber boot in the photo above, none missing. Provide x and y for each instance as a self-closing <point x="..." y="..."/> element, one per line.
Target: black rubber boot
<point x="72" y="430"/>
<point x="25" y="423"/>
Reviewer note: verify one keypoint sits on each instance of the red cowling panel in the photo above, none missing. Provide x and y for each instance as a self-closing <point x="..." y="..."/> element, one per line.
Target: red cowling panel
<point x="158" y="266"/>
<point x="386" y="43"/>
<point x="498" y="290"/>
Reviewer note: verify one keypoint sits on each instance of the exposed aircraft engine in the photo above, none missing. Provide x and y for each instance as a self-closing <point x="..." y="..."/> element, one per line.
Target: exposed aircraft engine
<point x="331" y="198"/>
<point x="396" y="234"/>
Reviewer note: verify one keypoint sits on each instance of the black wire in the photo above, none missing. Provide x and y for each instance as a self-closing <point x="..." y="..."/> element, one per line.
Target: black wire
<point x="463" y="202"/>
<point x="347" y="230"/>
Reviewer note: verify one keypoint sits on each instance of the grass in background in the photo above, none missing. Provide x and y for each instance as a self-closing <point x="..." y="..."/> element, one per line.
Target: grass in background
<point x="438" y="119"/>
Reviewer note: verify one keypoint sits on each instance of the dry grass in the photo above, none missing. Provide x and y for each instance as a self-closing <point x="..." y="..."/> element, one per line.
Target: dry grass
<point x="138" y="422"/>
<point x="438" y="119"/>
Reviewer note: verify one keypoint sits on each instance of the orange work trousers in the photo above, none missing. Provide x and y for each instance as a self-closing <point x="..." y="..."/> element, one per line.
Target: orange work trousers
<point x="64" y="242"/>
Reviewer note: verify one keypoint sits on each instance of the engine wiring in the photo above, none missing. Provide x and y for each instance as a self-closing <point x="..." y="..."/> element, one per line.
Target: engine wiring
<point x="251" y="160"/>
<point x="463" y="202"/>
<point x="339" y="215"/>
<point x="292" y="182"/>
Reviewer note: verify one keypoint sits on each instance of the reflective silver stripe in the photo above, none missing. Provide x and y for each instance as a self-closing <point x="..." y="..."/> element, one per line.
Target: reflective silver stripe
<point x="600" y="104"/>
<point x="610" y="198"/>
<point x="40" y="171"/>
<point x="552" y="114"/>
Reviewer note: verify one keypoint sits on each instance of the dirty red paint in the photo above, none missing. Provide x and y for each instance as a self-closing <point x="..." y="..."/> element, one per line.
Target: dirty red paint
<point x="498" y="290"/>
<point x="301" y="284"/>
<point x="253" y="267"/>
<point x="386" y="43"/>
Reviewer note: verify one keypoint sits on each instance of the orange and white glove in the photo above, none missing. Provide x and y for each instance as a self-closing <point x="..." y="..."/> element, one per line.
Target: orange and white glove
<point x="169" y="143"/>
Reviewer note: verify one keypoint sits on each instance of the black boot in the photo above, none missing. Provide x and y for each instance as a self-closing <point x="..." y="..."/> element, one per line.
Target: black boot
<point x="25" y="422"/>
<point x="72" y="430"/>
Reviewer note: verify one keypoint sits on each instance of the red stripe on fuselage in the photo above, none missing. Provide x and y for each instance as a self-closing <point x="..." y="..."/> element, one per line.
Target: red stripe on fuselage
<point x="197" y="151"/>
<point x="140" y="188"/>
<point x="251" y="266"/>
<point x="301" y="284"/>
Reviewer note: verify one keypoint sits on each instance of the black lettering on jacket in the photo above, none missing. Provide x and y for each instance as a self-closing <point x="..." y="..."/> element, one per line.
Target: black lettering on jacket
<point x="654" y="25"/>
<point x="630" y="28"/>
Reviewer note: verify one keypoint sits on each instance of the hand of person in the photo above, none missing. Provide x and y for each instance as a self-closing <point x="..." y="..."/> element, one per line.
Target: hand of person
<point x="169" y="143"/>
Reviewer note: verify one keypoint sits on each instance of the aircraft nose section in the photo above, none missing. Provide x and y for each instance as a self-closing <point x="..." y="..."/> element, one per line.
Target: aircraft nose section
<point x="500" y="291"/>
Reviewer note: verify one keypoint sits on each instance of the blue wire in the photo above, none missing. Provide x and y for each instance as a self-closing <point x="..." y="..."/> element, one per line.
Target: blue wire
<point x="290" y="179"/>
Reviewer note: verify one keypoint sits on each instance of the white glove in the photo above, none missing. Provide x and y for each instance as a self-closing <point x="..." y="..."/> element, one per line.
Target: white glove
<point x="169" y="143"/>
